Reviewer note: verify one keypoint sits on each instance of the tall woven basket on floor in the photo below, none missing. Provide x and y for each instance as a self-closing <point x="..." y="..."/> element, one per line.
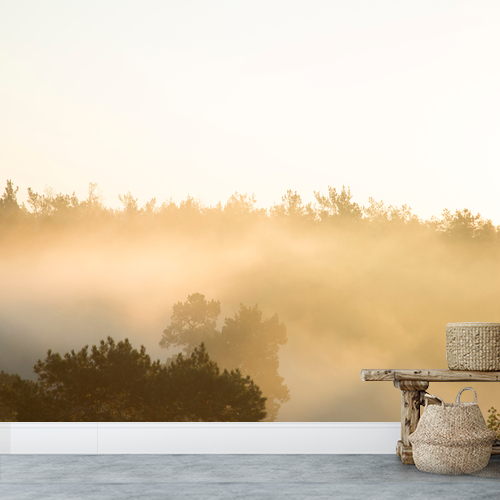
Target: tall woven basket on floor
<point x="452" y="439"/>
<point x="473" y="346"/>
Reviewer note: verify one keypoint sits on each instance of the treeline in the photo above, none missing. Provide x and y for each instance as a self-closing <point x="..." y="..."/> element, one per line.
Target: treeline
<point x="334" y="208"/>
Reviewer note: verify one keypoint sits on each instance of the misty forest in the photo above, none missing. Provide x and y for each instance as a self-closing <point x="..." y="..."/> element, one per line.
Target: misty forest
<point x="187" y="312"/>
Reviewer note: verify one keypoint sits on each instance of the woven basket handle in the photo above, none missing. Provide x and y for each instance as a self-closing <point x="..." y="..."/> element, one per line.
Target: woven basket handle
<point x="466" y="389"/>
<point x="429" y="396"/>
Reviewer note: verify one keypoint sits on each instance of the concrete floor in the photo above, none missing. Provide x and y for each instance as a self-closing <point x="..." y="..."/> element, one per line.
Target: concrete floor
<point x="294" y="477"/>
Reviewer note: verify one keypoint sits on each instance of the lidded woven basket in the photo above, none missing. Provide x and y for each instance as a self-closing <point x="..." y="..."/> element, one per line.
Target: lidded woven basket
<point x="473" y="346"/>
<point x="452" y="438"/>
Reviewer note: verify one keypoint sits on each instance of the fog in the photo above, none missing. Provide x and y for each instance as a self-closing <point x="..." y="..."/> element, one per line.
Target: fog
<point x="353" y="295"/>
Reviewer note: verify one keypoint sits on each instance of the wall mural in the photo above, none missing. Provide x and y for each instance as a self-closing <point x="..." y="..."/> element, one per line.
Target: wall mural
<point x="188" y="312"/>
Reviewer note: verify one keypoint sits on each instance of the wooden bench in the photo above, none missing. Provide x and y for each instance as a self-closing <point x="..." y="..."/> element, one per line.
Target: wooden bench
<point x="413" y="385"/>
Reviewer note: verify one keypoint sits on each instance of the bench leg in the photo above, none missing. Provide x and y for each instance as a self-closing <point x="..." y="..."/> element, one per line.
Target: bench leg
<point x="411" y="396"/>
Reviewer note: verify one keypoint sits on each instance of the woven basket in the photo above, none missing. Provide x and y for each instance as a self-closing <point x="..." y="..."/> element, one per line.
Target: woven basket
<point x="452" y="439"/>
<point x="473" y="346"/>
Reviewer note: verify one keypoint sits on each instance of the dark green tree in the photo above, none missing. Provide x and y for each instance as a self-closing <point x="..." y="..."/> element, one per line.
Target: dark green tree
<point x="115" y="382"/>
<point x="7" y="412"/>
<point x="246" y="342"/>
<point x="198" y="391"/>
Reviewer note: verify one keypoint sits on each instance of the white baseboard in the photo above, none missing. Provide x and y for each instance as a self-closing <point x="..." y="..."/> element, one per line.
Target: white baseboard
<point x="197" y="438"/>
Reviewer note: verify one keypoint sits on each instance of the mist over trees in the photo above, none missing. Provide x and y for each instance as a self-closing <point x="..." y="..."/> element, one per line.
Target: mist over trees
<point x="245" y="342"/>
<point x="356" y="286"/>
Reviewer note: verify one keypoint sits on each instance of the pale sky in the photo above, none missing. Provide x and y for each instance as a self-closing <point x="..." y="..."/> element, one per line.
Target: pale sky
<point x="398" y="99"/>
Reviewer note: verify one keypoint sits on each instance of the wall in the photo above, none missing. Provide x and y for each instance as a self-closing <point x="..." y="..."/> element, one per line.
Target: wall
<point x="193" y="438"/>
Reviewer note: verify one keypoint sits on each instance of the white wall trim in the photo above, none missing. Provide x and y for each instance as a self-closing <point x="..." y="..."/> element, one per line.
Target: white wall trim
<point x="196" y="438"/>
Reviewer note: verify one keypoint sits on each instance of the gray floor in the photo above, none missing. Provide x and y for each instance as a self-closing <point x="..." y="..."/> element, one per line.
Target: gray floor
<point x="293" y="477"/>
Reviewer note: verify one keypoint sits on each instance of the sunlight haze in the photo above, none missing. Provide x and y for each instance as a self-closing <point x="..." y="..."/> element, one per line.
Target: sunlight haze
<point x="396" y="99"/>
<point x="337" y="115"/>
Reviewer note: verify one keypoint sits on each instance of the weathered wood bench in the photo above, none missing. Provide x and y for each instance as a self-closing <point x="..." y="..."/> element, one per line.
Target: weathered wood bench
<point x="413" y="385"/>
